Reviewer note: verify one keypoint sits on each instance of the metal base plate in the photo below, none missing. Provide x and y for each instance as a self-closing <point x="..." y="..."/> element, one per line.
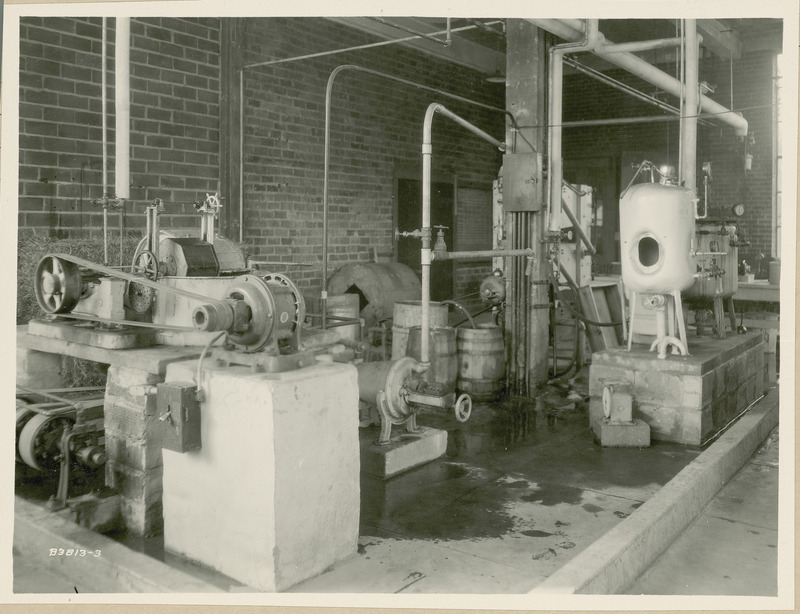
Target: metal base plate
<point x="88" y="333"/>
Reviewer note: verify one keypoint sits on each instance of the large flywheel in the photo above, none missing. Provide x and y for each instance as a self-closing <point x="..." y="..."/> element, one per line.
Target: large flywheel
<point x="57" y="284"/>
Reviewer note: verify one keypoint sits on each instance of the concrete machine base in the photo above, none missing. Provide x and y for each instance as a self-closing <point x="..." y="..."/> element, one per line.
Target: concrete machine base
<point x="272" y="496"/>
<point x="684" y="399"/>
<point x="405" y="451"/>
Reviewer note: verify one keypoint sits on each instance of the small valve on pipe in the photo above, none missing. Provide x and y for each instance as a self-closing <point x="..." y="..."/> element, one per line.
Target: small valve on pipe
<point x="417" y="234"/>
<point x="440" y="247"/>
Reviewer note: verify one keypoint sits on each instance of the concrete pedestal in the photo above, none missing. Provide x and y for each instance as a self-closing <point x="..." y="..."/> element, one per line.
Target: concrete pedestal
<point x="405" y="450"/>
<point x="272" y="497"/>
<point x="685" y="399"/>
<point x="635" y="434"/>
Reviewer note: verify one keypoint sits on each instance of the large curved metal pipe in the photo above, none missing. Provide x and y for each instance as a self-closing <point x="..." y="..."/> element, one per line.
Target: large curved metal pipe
<point x="425" y="255"/>
<point x="573" y="30"/>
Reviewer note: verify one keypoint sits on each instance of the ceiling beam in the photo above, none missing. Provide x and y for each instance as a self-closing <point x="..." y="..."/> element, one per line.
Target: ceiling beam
<point x="461" y="51"/>
<point x="720" y="39"/>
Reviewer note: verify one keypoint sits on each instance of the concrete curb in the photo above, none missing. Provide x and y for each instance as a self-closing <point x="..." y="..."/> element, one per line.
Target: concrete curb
<point x="117" y="569"/>
<point x="614" y="561"/>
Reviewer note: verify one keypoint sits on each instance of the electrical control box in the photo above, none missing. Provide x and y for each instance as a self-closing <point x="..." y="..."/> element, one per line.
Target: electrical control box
<point x="522" y="182"/>
<point x="178" y="425"/>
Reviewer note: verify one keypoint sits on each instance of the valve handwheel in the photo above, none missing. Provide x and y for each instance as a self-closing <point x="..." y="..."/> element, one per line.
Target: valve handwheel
<point x="57" y="284"/>
<point x="463" y="408"/>
<point x="145" y="263"/>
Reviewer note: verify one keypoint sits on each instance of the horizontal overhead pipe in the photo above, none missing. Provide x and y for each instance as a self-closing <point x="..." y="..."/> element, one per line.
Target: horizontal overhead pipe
<point x="573" y="30"/>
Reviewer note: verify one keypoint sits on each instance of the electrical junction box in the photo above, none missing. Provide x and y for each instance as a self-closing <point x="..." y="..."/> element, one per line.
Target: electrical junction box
<point x="178" y="424"/>
<point x="522" y="182"/>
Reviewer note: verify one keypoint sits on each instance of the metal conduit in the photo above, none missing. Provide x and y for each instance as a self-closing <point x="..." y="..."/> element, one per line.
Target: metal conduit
<point x="446" y="43"/>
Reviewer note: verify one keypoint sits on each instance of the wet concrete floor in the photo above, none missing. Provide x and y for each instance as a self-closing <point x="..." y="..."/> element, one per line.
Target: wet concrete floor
<point x="522" y="488"/>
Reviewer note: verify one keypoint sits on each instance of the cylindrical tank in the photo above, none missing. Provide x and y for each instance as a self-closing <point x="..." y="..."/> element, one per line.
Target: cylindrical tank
<point x="443" y="355"/>
<point x="657" y="228"/>
<point x="345" y="306"/>
<point x="378" y="285"/>
<point x="408" y="314"/>
<point x="481" y="362"/>
<point x="714" y="237"/>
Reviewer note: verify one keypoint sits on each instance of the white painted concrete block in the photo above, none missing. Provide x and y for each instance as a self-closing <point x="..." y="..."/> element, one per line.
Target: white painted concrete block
<point x="272" y="497"/>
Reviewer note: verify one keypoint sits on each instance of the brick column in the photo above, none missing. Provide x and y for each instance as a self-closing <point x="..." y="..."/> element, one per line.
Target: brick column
<point x="134" y="464"/>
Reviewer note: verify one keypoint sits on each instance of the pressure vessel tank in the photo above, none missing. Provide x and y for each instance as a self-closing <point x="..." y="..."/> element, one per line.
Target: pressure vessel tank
<point x="657" y="227"/>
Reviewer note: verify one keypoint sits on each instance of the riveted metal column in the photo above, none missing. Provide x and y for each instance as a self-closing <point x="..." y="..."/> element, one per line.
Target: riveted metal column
<point x="527" y="316"/>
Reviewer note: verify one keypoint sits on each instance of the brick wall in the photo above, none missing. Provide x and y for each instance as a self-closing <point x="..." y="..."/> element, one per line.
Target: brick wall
<point x="376" y="126"/>
<point x="174" y="121"/>
<point x="585" y="98"/>
<point x="175" y="133"/>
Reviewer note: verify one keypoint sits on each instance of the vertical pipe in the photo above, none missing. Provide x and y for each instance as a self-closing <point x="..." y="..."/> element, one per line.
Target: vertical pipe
<point x="682" y="76"/>
<point x="591" y="39"/>
<point x="241" y="158"/>
<point x="104" y="104"/>
<point x="104" y="114"/>
<point x="425" y="255"/>
<point x="122" y="95"/>
<point x="689" y="139"/>
<point x="554" y="137"/>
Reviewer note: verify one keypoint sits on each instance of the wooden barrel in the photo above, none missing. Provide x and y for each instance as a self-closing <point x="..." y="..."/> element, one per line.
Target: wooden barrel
<point x="407" y="315"/>
<point x="481" y="362"/>
<point x="441" y="352"/>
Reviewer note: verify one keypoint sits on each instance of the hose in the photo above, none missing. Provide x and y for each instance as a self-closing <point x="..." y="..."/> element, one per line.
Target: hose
<point x="461" y="308"/>
<point x="477" y="313"/>
<point x="572" y="310"/>
<point x="557" y="374"/>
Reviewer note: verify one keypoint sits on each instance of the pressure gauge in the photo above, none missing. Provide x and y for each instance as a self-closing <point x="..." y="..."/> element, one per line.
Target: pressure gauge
<point x="738" y="210"/>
